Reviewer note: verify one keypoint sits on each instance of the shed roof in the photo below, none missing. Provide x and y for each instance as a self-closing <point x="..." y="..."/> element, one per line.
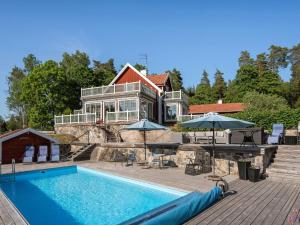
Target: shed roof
<point x="12" y="134"/>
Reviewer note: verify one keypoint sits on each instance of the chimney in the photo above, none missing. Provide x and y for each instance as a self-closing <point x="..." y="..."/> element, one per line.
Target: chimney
<point x="144" y="72"/>
<point x="220" y="101"/>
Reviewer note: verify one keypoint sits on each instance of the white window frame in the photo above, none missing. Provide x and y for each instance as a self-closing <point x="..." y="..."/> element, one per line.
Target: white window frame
<point x="177" y="110"/>
<point x="129" y="99"/>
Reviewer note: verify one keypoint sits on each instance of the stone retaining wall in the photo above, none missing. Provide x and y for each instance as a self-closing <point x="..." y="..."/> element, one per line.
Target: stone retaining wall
<point x="96" y="134"/>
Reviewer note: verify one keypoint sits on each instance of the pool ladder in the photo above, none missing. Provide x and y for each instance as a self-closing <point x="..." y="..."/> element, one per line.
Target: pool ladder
<point x="13" y="171"/>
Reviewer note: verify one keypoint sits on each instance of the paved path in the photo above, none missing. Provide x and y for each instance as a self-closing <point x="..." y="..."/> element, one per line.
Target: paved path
<point x="265" y="202"/>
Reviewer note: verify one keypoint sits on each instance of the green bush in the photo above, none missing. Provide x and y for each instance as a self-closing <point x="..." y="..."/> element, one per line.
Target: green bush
<point x="289" y="117"/>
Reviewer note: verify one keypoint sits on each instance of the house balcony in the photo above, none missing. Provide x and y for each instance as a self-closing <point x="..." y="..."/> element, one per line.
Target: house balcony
<point x="117" y="89"/>
<point x="184" y="118"/>
<point x="75" y="119"/>
<point x="126" y="116"/>
<point x="175" y="96"/>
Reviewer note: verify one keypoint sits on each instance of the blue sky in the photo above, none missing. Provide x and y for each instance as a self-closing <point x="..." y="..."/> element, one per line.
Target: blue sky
<point x="189" y="35"/>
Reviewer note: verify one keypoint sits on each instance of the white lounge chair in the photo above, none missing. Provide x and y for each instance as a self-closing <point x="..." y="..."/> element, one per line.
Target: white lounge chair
<point x="55" y="153"/>
<point x="28" y="154"/>
<point x="43" y="152"/>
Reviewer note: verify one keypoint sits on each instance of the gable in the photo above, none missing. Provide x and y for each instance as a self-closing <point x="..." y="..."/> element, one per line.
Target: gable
<point x="129" y="74"/>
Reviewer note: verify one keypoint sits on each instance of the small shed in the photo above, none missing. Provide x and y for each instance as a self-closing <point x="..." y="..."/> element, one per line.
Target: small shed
<point x="13" y="144"/>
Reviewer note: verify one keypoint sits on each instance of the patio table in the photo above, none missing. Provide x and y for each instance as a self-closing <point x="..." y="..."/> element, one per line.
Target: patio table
<point x="248" y="136"/>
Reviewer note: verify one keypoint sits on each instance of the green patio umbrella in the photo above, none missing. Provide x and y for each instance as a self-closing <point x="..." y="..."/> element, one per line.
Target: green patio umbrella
<point x="213" y="121"/>
<point x="145" y="125"/>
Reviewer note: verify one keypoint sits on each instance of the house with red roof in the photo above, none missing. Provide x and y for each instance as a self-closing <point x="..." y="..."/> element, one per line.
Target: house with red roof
<point x="132" y="95"/>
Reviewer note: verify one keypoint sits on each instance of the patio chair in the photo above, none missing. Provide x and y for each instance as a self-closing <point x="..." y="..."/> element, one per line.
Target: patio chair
<point x="43" y="152"/>
<point x="277" y="134"/>
<point x="28" y="154"/>
<point x="194" y="166"/>
<point x="131" y="157"/>
<point x="55" y="153"/>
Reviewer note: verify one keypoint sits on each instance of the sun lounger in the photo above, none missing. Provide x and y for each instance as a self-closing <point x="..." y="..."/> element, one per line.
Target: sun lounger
<point x="55" y="153"/>
<point x="43" y="152"/>
<point x="28" y="154"/>
<point x="277" y="134"/>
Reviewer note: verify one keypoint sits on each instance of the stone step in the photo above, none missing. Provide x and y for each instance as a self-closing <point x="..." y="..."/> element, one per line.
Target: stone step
<point x="285" y="156"/>
<point x="287" y="172"/>
<point x="288" y="151"/>
<point x="289" y="147"/>
<point x="287" y="160"/>
<point x="286" y="166"/>
<point x="284" y="178"/>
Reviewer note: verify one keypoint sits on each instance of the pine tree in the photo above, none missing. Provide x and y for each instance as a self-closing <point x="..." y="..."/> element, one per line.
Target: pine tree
<point x="277" y="58"/>
<point x="203" y="90"/>
<point x="245" y="59"/>
<point x="176" y="79"/>
<point x="219" y="87"/>
<point x="294" y="59"/>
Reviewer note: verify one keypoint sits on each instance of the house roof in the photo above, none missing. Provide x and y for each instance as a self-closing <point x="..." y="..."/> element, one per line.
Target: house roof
<point x="139" y="73"/>
<point x="219" y="108"/>
<point x="12" y="134"/>
<point x="158" y="79"/>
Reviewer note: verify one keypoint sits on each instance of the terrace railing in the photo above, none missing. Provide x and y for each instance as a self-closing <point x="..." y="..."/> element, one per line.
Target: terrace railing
<point x="183" y="118"/>
<point x="117" y="89"/>
<point x="75" y="118"/>
<point x="124" y="116"/>
<point x="176" y="95"/>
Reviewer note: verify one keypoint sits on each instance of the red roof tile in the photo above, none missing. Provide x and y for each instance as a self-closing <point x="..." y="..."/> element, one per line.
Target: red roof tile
<point x="158" y="79"/>
<point x="218" y="108"/>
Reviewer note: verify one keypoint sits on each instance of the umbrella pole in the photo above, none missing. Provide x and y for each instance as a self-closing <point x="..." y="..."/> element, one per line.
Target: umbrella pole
<point x="213" y="148"/>
<point x="145" y="144"/>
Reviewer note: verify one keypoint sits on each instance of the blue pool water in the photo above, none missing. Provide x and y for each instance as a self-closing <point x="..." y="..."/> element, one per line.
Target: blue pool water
<point x="75" y="195"/>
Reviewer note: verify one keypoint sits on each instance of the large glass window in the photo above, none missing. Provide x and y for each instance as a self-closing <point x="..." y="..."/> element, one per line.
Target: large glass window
<point x="94" y="108"/>
<point x="127" y="105"/>
<point x="171" y="112"/>
<point x="150" y="110"/>
<point x="109" y="106"/>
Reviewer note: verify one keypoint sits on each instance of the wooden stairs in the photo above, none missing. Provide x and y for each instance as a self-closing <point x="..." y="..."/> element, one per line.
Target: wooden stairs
<point x="286" y="165"/>
<point x="83" y="153"/>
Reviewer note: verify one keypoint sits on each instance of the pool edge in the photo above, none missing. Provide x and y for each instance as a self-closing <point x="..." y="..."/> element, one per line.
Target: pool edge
<point x="145" y="183"/>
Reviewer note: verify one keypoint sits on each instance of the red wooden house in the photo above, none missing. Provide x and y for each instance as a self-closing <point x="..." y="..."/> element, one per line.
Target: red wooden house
<point x="131" y="96"/>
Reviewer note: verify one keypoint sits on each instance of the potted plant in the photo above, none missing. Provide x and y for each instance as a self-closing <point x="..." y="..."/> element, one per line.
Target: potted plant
<point x="243" y="165"/>
<point x="253" y="173"/>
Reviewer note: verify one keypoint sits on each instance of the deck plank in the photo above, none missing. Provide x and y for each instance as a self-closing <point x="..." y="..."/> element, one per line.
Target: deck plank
<point x="266" y="202"/>
<point x="236" y="185"/>
<point x="286" y="210"/>
<point x="256" y="208"/>
<point x="231" y="204"/>
<point x="271" y="213"/>
<point x="8" y="214"/>
<point x="242" y="207"/>
<point x="218" y="206"/>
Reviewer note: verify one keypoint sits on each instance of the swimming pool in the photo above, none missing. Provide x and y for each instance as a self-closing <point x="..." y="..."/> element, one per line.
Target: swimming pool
<point x="76" y="195"/>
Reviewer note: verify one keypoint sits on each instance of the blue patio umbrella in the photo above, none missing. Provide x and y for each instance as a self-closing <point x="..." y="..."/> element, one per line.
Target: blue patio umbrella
<point x="145" y="125"/>
<point x="213" y="121"/>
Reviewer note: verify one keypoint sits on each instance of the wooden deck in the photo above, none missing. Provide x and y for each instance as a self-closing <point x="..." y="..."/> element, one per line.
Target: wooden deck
<point x="264" y="202"/>
<point x="8" y="214"/>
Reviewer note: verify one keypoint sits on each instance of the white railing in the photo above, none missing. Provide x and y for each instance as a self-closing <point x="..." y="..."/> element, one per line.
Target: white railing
<point x="125" y="116"/>
<point x="78" y="111"/>
<point x="183" y="118"/>
<point x="176" y="95"/>
<point x="75" y="118"/>
<point x="148" y="91"/>
<point x="117" y="89"/>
